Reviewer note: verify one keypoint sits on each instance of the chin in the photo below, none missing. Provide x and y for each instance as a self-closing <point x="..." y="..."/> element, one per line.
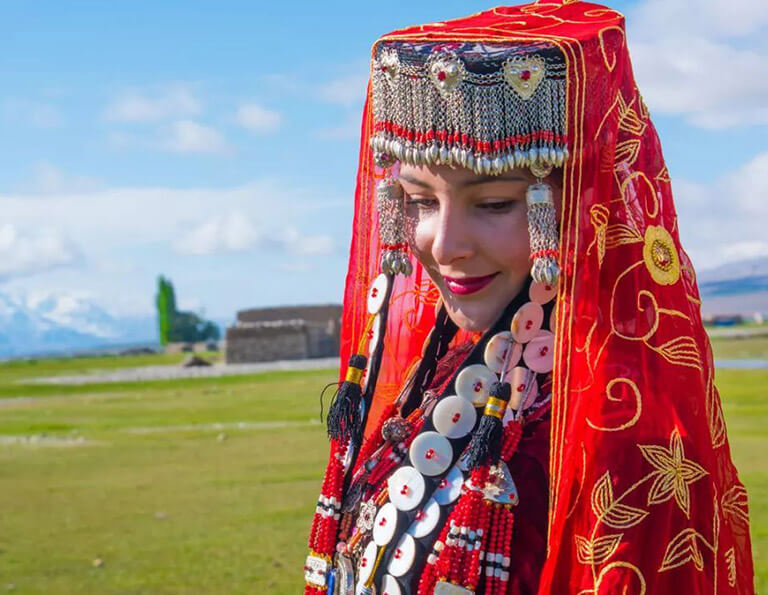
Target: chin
<point x="468" y="320"/>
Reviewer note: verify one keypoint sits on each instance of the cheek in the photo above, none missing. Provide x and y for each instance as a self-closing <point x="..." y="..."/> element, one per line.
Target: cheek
<point x="419" y="235"/>
<point x="508" y="240"/>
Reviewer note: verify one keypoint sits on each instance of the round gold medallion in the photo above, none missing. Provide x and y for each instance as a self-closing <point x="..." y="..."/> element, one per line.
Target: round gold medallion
<point x="660" y="256"/>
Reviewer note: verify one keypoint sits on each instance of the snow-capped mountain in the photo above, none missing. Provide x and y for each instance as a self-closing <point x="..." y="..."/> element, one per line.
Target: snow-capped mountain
<point x="64" y="322"/>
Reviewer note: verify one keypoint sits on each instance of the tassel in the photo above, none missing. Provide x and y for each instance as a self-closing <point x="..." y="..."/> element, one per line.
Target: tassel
<point x="344" y="415"/>
<point x="542" y="231"/>
<point x="485" y="446"/>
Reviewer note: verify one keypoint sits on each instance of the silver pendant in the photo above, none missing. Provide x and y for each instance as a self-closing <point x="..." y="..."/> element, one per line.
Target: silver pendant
<point x="345" y="576"/>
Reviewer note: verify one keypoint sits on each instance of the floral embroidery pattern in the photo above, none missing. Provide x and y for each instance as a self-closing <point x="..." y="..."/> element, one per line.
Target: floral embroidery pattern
<point x="674" y="473"/>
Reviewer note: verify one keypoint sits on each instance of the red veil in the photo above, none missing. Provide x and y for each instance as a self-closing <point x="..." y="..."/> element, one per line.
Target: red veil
<point x="644" y="496"/>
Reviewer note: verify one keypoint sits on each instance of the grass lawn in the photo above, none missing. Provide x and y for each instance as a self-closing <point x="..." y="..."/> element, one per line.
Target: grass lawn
<point x="205" y="485"/>
<point x="741" y="348"/>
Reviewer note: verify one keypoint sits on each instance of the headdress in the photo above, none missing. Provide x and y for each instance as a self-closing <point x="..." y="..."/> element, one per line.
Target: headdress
<point x="643" y="495"/>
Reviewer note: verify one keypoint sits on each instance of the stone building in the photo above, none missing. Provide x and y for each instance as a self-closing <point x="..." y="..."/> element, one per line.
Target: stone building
<point x="292" y="332"/>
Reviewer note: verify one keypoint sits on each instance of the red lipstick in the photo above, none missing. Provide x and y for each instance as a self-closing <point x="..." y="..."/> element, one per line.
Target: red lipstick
<point x="467" y="285"/>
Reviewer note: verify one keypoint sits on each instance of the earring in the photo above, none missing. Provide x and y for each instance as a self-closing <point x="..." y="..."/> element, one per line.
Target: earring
<point x="542" y="227"/>
<point x="389" y="203"/>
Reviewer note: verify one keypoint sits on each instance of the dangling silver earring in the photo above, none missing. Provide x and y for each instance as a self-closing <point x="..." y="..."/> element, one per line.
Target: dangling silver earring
<point x="394" y="247"/>
<point x="542" y="227"/>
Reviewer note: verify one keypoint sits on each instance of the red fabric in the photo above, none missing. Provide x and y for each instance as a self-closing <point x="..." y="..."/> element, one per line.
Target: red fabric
<point x="643" y="495"/>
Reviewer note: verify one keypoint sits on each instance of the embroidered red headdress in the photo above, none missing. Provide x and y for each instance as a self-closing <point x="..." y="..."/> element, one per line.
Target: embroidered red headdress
<point x="643" y="494"/>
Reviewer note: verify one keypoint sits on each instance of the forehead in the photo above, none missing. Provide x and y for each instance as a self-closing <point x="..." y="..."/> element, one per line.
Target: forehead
<point x="441" y="176"/>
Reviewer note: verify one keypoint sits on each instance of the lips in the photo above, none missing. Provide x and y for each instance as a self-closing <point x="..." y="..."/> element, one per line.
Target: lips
<point x="467" y="285"/>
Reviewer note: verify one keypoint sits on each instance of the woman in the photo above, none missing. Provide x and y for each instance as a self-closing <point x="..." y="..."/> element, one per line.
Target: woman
<point x="529" y="404"/>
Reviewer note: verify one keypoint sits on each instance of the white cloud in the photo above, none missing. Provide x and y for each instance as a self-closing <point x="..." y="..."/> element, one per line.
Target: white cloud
<point x="710" y="70"/>
<point x="187" y="136"/>
<point x="724" y="221"/>
<point x="236" y="232"/>
<point x="257" y="118"/>
<point x="712" y="18"/>
<point x="49" y="179"/>
<point x="26" y="252"/>
<point x="176" y="101"/>
<point x="346" y="90"/>
<point x="226" y="233"/>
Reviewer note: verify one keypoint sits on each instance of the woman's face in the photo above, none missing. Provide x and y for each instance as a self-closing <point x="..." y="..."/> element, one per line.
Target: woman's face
<point x="470" y="232"/>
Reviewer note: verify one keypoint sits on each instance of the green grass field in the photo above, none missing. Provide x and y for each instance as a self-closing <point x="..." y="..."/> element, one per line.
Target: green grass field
<point x="205" y="485"/>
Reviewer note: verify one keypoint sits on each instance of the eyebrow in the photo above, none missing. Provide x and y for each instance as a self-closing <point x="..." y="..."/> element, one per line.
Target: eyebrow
<point x="474" y="181"/>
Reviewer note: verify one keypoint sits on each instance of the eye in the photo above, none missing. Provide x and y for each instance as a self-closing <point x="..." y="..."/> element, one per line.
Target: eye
<point x="498" y="206"/>
<point x="423" y="203"/>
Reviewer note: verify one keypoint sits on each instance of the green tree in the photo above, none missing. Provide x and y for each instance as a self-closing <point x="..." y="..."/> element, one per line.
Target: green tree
<point x="175" y="326"/>
<point x="166" y="309"/>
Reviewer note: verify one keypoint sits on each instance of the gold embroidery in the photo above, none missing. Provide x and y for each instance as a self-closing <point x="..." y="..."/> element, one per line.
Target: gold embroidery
<point x="609" y="64"/>
<point x="598" y="550"/>
<point x="660" y="256"/>
<point x="681" y="351"/>
<point x="638" y="405"/>
<point x="612" y="512"/>
<point x="735" y="503"/>
<point x="628" y="189"/>
<point x="619" y="234"/>
<point x="627" y="565"/>
<point x="730" y="561"/>
<point x="715" y="418"/>
<point x="684" y="548"/>
<point x="627" y="152"/>
<point x="663" y="175"/>
<point x="598" y="215"/>
<point x="629" y="121"/>
<point x="674" y="473"/>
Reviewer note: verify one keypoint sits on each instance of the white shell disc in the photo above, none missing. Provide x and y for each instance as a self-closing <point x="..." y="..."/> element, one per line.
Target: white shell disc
<point x="406" y="488"/>
<point x="403" y="556"/>
<point x="449" y="487"/>
<point x="541" y="292"/>
<point x="367" y="560"/>
<point x="473" y="384"/>
<point x="454" y="417"/>
<point x="385" y="524"/>
<point x="526" y="322"/>
<point x="431" y="453"/>
<point x="496" y="351"/>
<point x="377" y="293"/>
<point x="426" y="519"/>
<point x="539" y="353"/>
<point x="523" y="383"/>
<point x="375" y="334"/>
<point x="389" y="585"/>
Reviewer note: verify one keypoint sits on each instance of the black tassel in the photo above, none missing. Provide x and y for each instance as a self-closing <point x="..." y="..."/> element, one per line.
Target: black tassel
<point x="485" y="446"/>
<point x="344" y="414"/>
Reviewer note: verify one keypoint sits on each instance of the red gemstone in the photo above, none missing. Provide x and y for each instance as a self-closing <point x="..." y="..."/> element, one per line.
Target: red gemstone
<point x="525" y="75"/>
<point x="374" y="292"/>
<point x="441" y="75"/>
<point x="477" y="386"/>
<point x="456" y="417"/>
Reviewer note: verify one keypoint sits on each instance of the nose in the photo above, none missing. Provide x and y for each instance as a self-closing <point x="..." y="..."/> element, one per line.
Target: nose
<point x="452" y="237"/>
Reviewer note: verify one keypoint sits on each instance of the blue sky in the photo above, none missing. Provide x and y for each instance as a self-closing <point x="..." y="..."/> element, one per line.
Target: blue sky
<point x="216" y="142"/>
